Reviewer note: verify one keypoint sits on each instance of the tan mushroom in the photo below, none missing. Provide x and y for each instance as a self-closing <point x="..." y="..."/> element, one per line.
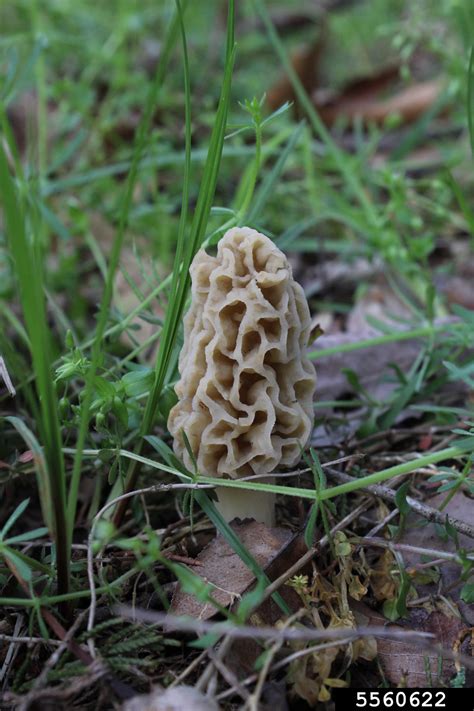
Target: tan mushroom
<point x="245" y="397"/>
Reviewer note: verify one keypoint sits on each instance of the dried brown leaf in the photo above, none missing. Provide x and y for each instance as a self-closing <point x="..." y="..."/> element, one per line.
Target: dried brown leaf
<point x="222" y="567"/>
<point x="382" y="582"/>
<point x="305" y="63"/>
<point x="408" y="103"/>
<point x="461" y="506"/>
<point x="406" y="665"/>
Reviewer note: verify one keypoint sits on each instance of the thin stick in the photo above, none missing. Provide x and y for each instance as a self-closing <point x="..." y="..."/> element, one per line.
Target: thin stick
<point x="253" y="701"/>
<point x="205" y="677"/>
<point x="382" y="543"/>
<point x="227" y="674"/>
<point x="29" y="640"/>
<point x="189" y="624"/>
<point x="387" y="493"/>
<point x="191" y="667"/>
<point x="12" y="650"/>
<point x="287" y="660"/>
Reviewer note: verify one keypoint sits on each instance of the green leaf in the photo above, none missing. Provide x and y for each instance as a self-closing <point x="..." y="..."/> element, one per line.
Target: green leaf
<point x="342" y="546"/>
<point x="168" y="399"/>
<point x="42" y="478"/>
<point x="353" y="380"/>
<point x="311" y="525"/>
<point x="451" y="531"/>
<point x="28" y="536"/>
<point x="22" y="568"/>
<point x="267" y="185"/>
<point x="138" y="382"/>
<point x="467" y="593"/>
<point x="250" y="601"/>
<point x="207" y="640"/>
<point x="401" y="499"/>
<point x="261" y="659"/>
<point x="192" y="583"/>
<point x="31" y="563"/>
<point x="13" y="518"/>
<point x="103" y="387"/>
<point x="390" y="610"/>
<point x="190" y="452"/>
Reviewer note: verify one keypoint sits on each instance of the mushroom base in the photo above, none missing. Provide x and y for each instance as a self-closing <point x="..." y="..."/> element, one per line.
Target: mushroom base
<point x="239" y="503"/>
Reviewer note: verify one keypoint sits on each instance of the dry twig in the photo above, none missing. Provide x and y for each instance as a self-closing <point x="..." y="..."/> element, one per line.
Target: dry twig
<point x="388" y="494"/>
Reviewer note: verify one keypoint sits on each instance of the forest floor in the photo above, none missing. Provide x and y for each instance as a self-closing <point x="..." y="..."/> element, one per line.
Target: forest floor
<point x="132" y="134"/>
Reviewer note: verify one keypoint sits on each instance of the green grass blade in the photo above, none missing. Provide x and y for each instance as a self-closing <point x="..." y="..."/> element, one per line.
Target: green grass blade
<point x="272" y="177"/>
<point x="342" y="161"/>
<point x="187" y="248"/>
<point x="28" y="271"/>
<point x="460" y="449"/>
<point x="470" y="98"/>
<point x="422" y="332"/>
<point x="140" y="143"/>
<point x="181" y="277"/>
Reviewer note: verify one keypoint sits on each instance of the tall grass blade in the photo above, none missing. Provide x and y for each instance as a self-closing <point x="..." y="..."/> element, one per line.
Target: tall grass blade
<point x="341" y="160"/>
<point x="470" y="98"/>
<point x="187" y="247"/>
<point x="28" y="270"/>
<point x="140" y="143"/>
<point x="270" y="180"/>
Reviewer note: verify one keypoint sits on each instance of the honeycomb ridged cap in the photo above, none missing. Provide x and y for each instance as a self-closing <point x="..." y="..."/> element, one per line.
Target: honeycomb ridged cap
<point x="245" y="394"/>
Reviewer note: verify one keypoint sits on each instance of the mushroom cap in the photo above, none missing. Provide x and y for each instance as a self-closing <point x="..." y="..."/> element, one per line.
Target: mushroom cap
<point x="245" y="396"/>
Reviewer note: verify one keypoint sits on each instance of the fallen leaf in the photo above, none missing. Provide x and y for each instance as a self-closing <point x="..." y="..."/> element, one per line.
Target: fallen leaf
<point x="407" y="103"/>
<point x="275" y="550"/>
<point x="458" y="289"/>
<point x="335" y="276"/>
<point x="425" y="442"/>
<point x="21" y="115"/>
<point x="380" y="302"/>
<point x="369" y="363"/>
<point x="402" y="661"/>
<point x="361" y="88"/>
<point x="426" y="536"/>
<point x="221" y="566"/>
<point x="305" y="62"/>
<point x="405" y="664"/>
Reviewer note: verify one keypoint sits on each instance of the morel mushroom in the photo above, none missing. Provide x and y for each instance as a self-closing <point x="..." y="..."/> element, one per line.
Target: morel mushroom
<point x="245" y="397"/>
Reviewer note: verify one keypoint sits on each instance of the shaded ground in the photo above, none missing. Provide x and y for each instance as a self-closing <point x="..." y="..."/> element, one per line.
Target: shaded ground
<point x="365" y="181"/>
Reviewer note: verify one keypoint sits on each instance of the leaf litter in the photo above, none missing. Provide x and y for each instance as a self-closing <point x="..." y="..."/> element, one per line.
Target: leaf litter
<point x="349" y="587"/>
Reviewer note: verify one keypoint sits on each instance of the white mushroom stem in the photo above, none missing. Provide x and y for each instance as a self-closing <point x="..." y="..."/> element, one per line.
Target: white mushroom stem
<point x="243" y="503"/>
